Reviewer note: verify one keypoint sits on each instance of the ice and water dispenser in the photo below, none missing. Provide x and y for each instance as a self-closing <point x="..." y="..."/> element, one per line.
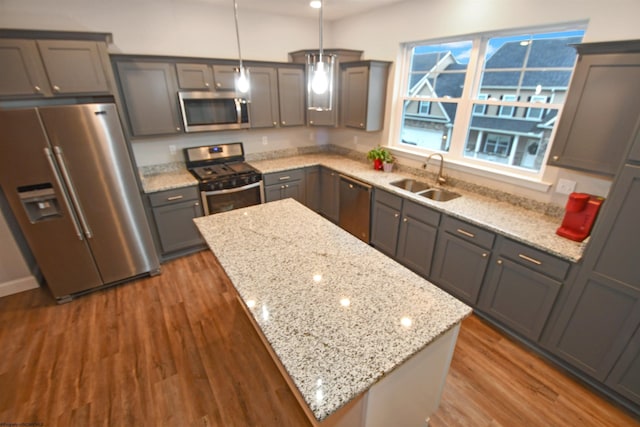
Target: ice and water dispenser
<point x="40" y="202"/>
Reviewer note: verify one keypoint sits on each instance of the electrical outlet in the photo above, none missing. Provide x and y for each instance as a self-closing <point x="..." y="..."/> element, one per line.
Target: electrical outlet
<point x="265" y="140"/>
<point x="565" y="186"/>
<point x="172" y="149"/>
<point x="355" y="139"/>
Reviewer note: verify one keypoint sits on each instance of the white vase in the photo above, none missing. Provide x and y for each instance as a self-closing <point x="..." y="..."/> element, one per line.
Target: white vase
<point x="387" y="167"/>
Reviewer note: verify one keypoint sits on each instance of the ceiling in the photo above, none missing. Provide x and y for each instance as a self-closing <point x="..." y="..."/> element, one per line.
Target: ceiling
<point x="333" y="9"/>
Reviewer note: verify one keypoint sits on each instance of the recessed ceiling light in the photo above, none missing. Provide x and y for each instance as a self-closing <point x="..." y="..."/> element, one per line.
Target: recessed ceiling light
<point x="316" y="4"/>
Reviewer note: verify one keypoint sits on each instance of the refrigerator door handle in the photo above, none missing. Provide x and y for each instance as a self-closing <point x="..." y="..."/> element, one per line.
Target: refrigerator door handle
<point x="72" y="192"/>
<point x="67" y="202"/>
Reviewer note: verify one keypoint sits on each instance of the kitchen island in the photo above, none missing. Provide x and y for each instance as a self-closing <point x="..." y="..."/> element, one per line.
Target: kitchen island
<point x="361" y="340"/>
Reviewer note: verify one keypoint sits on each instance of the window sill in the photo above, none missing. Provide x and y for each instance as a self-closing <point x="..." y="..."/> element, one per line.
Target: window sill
<point x="470" y="170"/>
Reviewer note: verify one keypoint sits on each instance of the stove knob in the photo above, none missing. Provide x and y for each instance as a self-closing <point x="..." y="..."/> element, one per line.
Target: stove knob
<point x="233" y="183"/>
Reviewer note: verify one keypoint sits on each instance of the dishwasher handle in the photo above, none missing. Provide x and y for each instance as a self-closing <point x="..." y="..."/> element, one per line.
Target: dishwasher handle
<point x="354" y="182"/>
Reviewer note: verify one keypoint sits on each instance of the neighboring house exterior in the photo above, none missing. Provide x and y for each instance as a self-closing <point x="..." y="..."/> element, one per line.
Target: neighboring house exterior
<point x="513" y="135"/>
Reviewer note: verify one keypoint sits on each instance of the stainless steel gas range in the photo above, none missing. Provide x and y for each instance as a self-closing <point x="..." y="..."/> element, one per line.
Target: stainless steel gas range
<point x="226" y="181"/>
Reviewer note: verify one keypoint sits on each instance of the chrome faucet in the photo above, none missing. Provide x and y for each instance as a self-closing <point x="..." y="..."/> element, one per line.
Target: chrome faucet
<point x="441" y="179"/>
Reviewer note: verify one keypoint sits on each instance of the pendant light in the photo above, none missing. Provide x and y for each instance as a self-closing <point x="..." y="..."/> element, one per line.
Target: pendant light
<point x="320" y="74"/>
<point x="242" y="77"/>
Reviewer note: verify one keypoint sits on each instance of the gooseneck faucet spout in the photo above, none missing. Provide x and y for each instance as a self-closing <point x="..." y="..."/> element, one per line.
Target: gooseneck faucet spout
<point x="441" y="179"/>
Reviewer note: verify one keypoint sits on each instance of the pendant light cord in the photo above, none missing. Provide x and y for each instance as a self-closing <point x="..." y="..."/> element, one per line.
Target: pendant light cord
<point x="320" y="26"/>
<point x="235" y="14"/>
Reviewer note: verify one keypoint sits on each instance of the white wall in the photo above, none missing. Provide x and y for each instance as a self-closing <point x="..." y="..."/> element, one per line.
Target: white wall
<point x="15" y="275"/>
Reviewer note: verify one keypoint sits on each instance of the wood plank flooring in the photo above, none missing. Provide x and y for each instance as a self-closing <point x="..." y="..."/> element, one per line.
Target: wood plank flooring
<point x="177" y="350"/>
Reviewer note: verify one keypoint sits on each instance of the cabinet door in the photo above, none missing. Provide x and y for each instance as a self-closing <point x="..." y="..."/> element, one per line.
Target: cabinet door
<point x="417" y="239"/>
<point x="354" y="96"/>
<point x="272" y="192"/>
<point x="22" y="71"/>
<point x="224" y="77"/>
<point x="150" y="95"/>
<point x="519" y="297"/>
<point x="291" y="92"/>
<point x="386" y="222"/>
<point x="176" y="229"/>
<point x="263" y="108"/>
<point x="599" y="116"/>
<point x="194" y="76"/>
<point x="459" y="267"/>
<point x="625" y="376"/>
<point x="73" y="66"/>
<point x="329" y="194"/>
<point x="312" y="187"/>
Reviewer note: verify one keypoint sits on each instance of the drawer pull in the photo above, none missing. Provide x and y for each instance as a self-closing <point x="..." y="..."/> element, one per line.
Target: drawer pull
<point x="528" y="258"/>
<point x="282" y="178"/>
<point x="172" y="198"/>
<point x="396" y="215"/>
<point x="465" y="233"/>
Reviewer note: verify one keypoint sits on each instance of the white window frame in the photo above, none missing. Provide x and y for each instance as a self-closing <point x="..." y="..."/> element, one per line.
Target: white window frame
<point x="455" y="156"/>
<point x="535" y="99"/>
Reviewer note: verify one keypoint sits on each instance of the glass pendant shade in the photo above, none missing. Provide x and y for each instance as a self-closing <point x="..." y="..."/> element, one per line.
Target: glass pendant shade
<point x="242" y="80"/>
<point x="320" y="72"/>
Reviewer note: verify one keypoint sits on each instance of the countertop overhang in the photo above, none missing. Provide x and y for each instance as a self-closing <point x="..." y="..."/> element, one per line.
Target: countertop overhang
<point x="338" y="314"/>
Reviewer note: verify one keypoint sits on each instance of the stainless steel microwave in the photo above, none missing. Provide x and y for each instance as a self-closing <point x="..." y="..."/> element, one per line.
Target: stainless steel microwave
<point x="210" y="111"/>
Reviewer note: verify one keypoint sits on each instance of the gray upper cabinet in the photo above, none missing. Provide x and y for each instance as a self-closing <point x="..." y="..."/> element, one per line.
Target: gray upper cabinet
<point x="461" y="258"/>
<point x="263" y="108"/>
<point x="224" y="77"/>
<point x="327" y="118"/>
<point x="363" y="94"/>
<point x="52" y="67"/>
<point x="150" y="96"/>
<point x="599" y="115"/>
<point x="291" y="92"/>
<point x="602" y="310"/>
<point x="522" y="286"/>
<point x="195" y="76"/>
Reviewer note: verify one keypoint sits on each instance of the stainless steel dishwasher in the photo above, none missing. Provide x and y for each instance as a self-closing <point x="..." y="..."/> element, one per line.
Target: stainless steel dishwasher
<point x="355" y="207"/>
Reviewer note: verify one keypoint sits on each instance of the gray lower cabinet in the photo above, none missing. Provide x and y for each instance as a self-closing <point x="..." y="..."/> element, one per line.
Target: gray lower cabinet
<point x="291" y="92"/>
<point x="404" y="230"/>
<point x="330" y="193"/>
<point x="52" y="67"/>
<point x="461" y="258"/>
<point x="521" y="287"/>
<point x="283" y="185"/>
<point x="599" y="115"/>
<point x="625" y="376"/>
<point x="312" y="187"/>
<point x="385" y="226"/>
<point x="173" y="213"/>
<point x="602" y="311"/>
<point x="149" y="92"/>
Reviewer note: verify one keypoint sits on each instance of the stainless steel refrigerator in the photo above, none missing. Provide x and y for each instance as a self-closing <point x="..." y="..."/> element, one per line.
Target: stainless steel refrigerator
<point x="68" y="177"/>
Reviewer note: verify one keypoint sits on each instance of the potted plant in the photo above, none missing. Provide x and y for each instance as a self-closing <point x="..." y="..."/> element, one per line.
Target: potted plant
<point x="379" y="155"/>
<point x="387" y="161"/>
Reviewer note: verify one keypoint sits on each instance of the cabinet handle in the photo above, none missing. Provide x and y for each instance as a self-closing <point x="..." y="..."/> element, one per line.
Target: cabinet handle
<point x="172" y="198"/>
<point x="284" y="178"/>
<point x="178" y="128"/>
<point x="275" y="123"/>
<point x="218" y="84"/>
<point x="556" y="158"/>
<point x="361" y="125"/>
<point x="405" y="219"/>
<point x="37" y="89"/>
<point x="310" y="122"/>
<point x="499" y="261"/>
<point x="465" y="233"/>
<point x="484" y="255"/>
<point x="396" y="215"/>
<point x="284" y="123"/>
<point x="206" y="85"/>
<point x="197" y="204"/>
<point x="528" y="258"/>
<point x="56" y="88"/>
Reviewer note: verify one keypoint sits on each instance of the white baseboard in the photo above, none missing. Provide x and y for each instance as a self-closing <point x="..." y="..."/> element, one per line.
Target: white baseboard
<point x="18" y="285"/>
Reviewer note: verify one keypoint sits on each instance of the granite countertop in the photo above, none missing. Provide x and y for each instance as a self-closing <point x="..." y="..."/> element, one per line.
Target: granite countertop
<point x="330" y="306"/>
<point x="518" y="223"/>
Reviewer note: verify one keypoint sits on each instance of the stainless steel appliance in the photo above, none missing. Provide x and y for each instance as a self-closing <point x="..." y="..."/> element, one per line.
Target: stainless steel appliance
<point x="209" y="111"/>
<point x="68" y="177"/>
<point x="226" y="181"/>
<point x="355" y="207"/>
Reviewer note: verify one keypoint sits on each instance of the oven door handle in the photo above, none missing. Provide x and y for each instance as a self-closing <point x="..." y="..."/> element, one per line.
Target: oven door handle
<point x="232" y="190"/>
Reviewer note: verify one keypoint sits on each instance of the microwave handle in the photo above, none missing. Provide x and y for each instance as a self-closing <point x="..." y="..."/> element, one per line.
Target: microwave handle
<point x="238" y="102"/>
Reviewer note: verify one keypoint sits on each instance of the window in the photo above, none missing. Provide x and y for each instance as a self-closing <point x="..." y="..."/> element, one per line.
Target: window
<point x="479" y="98"/>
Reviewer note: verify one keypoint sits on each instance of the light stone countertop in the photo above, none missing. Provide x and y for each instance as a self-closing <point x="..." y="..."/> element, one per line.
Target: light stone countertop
<point x="520" y="224"/>
<point x="329" y="305"/>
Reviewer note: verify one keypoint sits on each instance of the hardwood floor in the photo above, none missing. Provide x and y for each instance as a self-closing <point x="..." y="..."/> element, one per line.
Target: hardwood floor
<point x="177" y="350"/>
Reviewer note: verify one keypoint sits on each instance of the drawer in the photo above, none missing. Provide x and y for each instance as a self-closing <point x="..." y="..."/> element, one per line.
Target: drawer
<point x="285" y="176"/>
<point x="468" y="232"/>
<point x="388" y="199"/>
<point x="174" y="196"/>
<point x="535" y="259"/>
<point x="421" y="213"/>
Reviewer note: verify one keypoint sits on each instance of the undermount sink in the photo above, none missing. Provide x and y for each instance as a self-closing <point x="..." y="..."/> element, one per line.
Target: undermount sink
<point x="411" y="185"/>
<point x="439" y="194"/>
<point x="425" y="190"/>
